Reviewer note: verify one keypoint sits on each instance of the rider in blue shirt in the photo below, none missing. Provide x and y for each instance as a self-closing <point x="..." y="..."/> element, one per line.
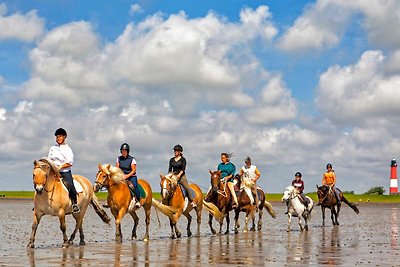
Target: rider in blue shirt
<point x="228" y="170"/>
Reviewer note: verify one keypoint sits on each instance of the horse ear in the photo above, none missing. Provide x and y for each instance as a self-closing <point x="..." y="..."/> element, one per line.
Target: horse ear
<point x="161" y="176"/>
<point x="99" y="165"/>
<point x="35" y="163"/>
<point x="108" y="166"/>
<point x="209" y="171"/>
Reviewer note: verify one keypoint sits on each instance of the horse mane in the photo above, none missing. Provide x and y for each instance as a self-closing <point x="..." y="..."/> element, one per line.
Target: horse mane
<point x="117" y="175"/>
<point x="172" y="177"/>
<point x="46" y="162"/>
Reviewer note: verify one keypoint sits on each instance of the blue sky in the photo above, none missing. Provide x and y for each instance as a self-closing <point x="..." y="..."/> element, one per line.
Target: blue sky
<point x="292" y="84"/>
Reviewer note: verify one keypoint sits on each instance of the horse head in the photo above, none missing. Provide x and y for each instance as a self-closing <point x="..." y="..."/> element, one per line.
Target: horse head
<point x="101" y="177"/>
<point x="168" y="184"/>
<point x="237" y="181"/>
<point x="322" y="193"/>
<point x="215" y="179"/>
<point x="42" y="170"/>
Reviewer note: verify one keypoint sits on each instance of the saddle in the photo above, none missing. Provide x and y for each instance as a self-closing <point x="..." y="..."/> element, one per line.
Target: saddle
<point x="65" y="185"/>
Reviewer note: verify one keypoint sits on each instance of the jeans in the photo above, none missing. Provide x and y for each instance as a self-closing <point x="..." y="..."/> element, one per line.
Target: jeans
<point x="71" y="187"/>
<point x="134" y="181"/>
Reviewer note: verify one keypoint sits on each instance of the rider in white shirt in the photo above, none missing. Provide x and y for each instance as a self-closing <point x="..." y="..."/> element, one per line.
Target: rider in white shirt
<point x="251" y="173"/>
<point x="63" y="157"/>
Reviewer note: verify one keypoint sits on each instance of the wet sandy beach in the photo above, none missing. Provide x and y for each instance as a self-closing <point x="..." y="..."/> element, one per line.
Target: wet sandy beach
<point x="369" y="238"/>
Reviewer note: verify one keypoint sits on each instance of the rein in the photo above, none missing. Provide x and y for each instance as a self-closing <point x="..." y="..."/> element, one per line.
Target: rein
<point x="102" y="184"/>
<point x="45" y="183"/>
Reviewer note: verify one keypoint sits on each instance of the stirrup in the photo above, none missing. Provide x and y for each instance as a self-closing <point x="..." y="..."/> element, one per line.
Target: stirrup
<point x="105" y="205"/>
<point x="193" y="204"/>
<point x="137" y="204"/>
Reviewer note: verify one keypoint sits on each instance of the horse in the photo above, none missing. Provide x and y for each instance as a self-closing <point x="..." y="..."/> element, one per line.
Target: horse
<point x="246" y="205"/>
<point x="296" y="208"/>
<point x="119" y="198"/>
<point x="52" y="199"/>
<point x="327" y="199"/>
<point x="218" y="201"/>
<point x="174" y="204"/>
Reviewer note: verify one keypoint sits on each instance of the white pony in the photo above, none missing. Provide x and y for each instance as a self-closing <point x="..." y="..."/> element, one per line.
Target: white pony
<point x="296" y="208"/>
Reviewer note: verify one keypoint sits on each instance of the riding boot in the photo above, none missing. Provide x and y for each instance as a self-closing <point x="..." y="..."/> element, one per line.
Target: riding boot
<point x="337" y="196"/>
<point x="71" y="190"/>
<point x="257" y="200"/>
<point x="287" y="205"/>
<point x="235" y="204"/>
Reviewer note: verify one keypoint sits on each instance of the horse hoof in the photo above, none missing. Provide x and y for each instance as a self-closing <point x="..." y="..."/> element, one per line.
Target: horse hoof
<point x="65" y="245"/>
<point x="118" y="239"/>
<point x="178" y="235"/>
<point x="146" y="239"/>
<point x="213" y="231"/>
<point x="172" y="236"/>
<point x="189" y="234"/>
<point x="134" y="237"/>
<point x="30" y="245"/>
<point x="236" y="231"/>
<point x="226" y="232"/>
<point x="70" y="242"/>
<point x="253" y="229"/>
<point x="245" y="230"/>
<point x="259" y="228"/>
<point x="82" y="243"/>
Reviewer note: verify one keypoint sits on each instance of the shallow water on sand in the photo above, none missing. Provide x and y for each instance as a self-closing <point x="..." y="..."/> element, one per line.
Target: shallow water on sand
<point x="369" y="238"/>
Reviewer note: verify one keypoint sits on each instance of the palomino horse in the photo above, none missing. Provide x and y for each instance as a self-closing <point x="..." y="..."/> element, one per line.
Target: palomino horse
<point x="246" y="205"/>
<point x="51" y="198"/>
<point x="327" y="199"/>
<point x="218" y="201"/>
<point x="296" y="208"/>
<point x="119" y="198"/>
<point x="174" y="204"/>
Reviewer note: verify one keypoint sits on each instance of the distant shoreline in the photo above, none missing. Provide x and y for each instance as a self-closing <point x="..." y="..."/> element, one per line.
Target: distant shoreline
<point x="273" y="197"/>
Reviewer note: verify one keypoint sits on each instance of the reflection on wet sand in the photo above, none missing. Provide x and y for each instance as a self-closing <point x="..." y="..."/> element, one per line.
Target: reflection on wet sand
<point x="330" y="250"/>
<point x="299" y="251"/>
<point x="394" y="228"/>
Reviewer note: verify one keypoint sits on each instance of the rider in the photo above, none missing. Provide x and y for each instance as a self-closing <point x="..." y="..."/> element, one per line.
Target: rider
<point x="177" y="165"/>
<point x="127" y="164"/>
<point x="63" y="157"/>
<point x="329" y="179"/>
<point x="251" y="172"/>
<point x="298" y="183"/>
<point x="227" y="172"/>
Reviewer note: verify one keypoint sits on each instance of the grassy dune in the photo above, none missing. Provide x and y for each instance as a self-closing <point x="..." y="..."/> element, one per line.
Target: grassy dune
<point x="270" y="197"/>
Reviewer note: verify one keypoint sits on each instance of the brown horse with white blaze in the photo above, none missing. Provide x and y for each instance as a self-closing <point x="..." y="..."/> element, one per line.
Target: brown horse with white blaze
<point x="119" y="198"/>
<point x="174" y="205"/>
<point x="218" y="201"/>
<point x="52" y="199"/>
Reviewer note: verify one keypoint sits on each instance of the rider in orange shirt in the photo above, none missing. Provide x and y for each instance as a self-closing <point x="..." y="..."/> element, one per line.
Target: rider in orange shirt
<point x="329" y="179"/>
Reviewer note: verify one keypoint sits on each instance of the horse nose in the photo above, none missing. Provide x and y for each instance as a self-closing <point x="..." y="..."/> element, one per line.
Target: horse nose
<point x="39" y="189"/>
<point x="95" y="188"/>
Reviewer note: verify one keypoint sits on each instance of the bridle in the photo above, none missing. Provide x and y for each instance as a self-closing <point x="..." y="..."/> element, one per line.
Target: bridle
<point x="168" y="193"/>
<point x="45" y="181"/>
<point x="222" y="193"/>
<point x="102" y="184"/>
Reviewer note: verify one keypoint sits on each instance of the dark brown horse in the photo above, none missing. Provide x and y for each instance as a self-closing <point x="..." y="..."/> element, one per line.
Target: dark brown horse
<point x="119" y="198"/>
<point x="327" y="199"/>
<point x="245" y="205"/>
<point x="174" y="204"/>
<point x="218" y="201"/>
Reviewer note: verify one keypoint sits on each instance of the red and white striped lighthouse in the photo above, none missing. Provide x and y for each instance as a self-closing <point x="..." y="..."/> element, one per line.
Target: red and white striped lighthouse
<point x="393" y="178"/>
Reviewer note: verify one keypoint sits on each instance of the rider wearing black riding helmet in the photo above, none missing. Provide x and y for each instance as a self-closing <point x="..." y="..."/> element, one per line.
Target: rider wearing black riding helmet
<point x="298" y="183"/>
<point x="177" y="165"/>
<point x="63" y="157"/>
<point x="127" y="164"/>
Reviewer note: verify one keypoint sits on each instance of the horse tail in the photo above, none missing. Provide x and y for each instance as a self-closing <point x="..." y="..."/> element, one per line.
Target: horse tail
<point x="213" y="210"/>
<point x="351" y="205"/>
<point x="167" y="210"/>
<point x="99" y="210"/>
<point x="269" y="208"/>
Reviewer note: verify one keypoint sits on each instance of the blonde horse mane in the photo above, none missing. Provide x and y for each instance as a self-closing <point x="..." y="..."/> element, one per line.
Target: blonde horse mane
<point x="172" y="178"/>
<point x="116" y="174"/>
<point x="44" y="163"/>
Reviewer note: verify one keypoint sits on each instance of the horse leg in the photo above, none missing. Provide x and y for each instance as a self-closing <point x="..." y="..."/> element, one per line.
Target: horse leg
<point x="147" y="212"/>
<point x="306" y="221"/>
<point x="253" y="218"/>
<point x="189" y="218"/>
<point x="323" y="215"/>
<point x="118" y="233"/>
<point x="333" y="215"/>
<point x="237" y="225"/>
<point x="177" y="215"/>
<point x="246" y="222"/>
<point x="260" y="215"/>
<point x="198" y="213"/>
<point x="36" y="221"/>
<point x="210" y="223"/>
<point x="337" y="214"/>
<point x="135" y="224"/>
<point x="289" y="222"/>
<point x="171" y="224"/>
<point x="78" y="225"/>
<point x="227" y="224"/>
<point x="301" y="226"/>
<point x="81" y="236"/>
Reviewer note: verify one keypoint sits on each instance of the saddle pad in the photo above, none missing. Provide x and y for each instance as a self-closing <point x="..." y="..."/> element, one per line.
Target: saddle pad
<point x="142" y="193"/>
<point x="78" y="186"/>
